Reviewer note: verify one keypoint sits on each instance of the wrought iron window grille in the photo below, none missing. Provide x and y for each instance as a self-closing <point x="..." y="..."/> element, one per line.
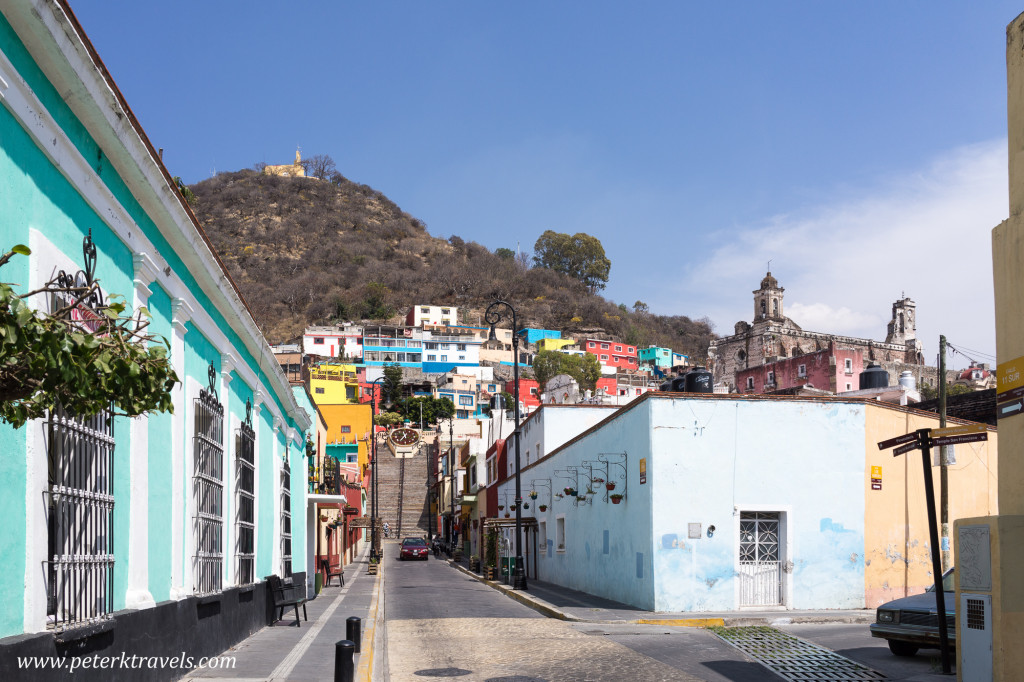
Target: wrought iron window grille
<point x="286" y="520"/>
<point x="79" y="497"/>
<point x="208" y="489"/>
<point x="245" y="487"/>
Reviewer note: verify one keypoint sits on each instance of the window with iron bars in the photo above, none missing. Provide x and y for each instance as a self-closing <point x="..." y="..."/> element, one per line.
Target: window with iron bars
<point x="208" y="490"/>
<point x="286" y="520"/>
<point x="80" y="508"/>
<point x="245" y="485"/>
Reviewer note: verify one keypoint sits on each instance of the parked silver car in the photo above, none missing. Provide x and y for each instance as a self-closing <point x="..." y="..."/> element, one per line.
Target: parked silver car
<point x="910" y="623"/>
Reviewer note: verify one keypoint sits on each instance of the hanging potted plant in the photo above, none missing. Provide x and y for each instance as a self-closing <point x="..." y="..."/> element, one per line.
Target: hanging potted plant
<point x="559" y="496"/>
<point x="501" y="507"/>
<point x="533" y="494"/>
<point x="507" y="515"/>
<point x="581" y="498"/>
<point x="616" y="498"/>
<point x="512" y="507"/>
<point x="569" y="491"/>
<point x="526" y="505"/>
<point x="323" y="518"/>
<point x="609" y="485"/>
<point x="597" y="480"/>
<point x="542" y="507"/>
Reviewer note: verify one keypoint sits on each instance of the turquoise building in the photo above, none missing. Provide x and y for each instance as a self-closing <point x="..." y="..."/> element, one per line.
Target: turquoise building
<point x="152" y="534"/>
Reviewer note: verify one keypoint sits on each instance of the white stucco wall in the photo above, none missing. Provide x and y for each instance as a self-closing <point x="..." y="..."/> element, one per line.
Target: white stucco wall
<point x="713" y="459"/>
<point x="708" y="460"/>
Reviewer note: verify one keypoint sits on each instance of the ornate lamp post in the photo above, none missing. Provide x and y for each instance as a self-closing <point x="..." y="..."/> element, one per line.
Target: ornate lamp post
<point x="496" y="312"/>
<point x="373" y="468"/>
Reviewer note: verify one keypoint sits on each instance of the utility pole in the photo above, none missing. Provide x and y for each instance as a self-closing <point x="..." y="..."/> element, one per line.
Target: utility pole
<point x="943" y="461"/>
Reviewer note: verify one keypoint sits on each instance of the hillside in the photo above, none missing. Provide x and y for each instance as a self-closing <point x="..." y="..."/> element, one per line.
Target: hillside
<point x="306" y="251"/>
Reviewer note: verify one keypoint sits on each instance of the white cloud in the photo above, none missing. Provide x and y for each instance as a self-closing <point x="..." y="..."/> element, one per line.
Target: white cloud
<point x="845" y="261"/>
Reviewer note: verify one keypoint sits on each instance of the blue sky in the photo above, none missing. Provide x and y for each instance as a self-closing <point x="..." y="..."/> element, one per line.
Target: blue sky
<point x="861" y="147"/>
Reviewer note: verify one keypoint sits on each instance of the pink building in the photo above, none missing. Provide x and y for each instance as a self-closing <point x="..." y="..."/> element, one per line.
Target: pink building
<point x="833" y="369"/>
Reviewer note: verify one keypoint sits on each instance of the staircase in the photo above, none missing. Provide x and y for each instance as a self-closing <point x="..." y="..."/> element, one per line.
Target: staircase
<point x="402" y="492"/>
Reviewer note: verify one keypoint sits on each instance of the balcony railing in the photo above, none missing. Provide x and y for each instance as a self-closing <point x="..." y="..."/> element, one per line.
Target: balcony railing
<point x="324" y="476"/>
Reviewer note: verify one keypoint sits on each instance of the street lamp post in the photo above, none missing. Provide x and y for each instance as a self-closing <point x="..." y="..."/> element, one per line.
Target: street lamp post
<point x="493" y="316"/>
<point x="373" y="468"/>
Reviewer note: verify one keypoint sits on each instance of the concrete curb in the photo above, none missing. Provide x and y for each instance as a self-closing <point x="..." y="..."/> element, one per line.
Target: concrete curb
<point x="364" y="671"/>
<point x="730" y="621"/>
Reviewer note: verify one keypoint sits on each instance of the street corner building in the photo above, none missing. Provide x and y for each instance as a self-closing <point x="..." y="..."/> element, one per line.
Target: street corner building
<point x="152" y="535"/>
<point x="706" y="502"/>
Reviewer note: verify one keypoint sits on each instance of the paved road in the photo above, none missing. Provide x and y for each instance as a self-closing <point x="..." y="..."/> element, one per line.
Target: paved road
<point x="441" y="623"/>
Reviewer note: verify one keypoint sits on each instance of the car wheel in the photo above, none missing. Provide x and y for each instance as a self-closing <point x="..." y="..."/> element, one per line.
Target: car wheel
<point x="902" y="648"/>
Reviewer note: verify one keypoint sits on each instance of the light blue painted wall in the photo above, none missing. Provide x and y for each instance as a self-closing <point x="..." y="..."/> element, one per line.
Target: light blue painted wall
<point x="266" y="479"/>
<point x="608" y="546"/>
<point x="712" y="459"/>
<point x="160" y="430"/>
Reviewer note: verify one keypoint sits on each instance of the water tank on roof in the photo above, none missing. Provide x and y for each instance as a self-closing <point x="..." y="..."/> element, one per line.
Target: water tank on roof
<point x="907" y="380"/>
<point x="874" y="377"/>
<point x="698" y="380"/>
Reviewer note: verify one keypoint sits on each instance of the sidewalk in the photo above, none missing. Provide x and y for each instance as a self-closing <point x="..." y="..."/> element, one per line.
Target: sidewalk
<point x="567" y="604"/>
<point x="284" y="652"/>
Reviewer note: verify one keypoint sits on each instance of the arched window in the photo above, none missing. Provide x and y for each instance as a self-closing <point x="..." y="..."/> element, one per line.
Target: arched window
<point x="775" y="307"/>
<point x="763" y="308"/>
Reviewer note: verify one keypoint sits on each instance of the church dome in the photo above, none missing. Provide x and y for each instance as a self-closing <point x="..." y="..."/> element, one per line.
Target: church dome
<point x="769" y="282"/>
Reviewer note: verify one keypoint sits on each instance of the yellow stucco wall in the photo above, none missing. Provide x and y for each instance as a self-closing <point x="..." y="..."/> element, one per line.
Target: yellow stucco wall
<point x="331" y="384"/>
<point x="357" y="418"/>
<point x="554" y="344"/>
<point x="897" y="551"/>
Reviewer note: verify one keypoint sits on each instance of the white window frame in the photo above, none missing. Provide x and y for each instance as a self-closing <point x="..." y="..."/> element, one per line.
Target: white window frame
<point x="560" y="534"/>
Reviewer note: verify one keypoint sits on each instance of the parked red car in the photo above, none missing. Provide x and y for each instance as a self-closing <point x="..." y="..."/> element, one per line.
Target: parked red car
<point x="414" y="548"/>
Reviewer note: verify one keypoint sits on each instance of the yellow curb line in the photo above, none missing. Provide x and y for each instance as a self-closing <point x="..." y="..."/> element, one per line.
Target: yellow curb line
<point x="683" y="622"/>
<point x="364" y="671"/>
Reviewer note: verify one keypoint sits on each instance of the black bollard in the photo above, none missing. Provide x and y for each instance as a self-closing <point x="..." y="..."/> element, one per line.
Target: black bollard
<point x="353" y="631"/>
<point x="344" y="668"/>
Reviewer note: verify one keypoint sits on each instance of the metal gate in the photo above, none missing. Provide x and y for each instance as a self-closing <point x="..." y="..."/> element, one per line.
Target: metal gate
<point x="760" y="563"/>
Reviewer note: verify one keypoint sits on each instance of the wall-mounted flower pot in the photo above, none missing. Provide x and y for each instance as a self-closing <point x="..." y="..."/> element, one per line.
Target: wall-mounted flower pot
<point x="507" y="515"/>
<point x="543" y="507"/>
<point x="616" y="499"/>
<point x="533" y="494"/>
<point x="501" y="507"/>
<point x="512" y="507"/>
<point x="609" y="485"/>
<point x="526" y="505"/>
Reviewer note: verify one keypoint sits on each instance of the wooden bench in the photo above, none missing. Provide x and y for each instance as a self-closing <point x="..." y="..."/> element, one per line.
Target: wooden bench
<point x="285" y="595"/>
<point x="333" y="567"/>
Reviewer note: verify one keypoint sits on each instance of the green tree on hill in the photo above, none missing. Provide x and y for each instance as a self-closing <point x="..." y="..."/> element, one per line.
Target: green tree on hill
<point x="579" y="256"/>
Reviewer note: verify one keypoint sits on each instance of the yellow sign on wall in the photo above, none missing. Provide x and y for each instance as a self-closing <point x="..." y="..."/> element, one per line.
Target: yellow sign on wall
<point x="643" y="470"/>
<point x="1010" y="375"/>
<point x="876" y="472"/>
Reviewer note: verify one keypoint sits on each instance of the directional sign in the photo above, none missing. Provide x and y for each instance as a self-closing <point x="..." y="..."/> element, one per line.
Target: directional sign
<point x="1012" y="394"/>
<point x="898" y="440"/>
<point x="903" y="449"/>
<point x="1010" y="409"/>
<point x="965" y="438"/>
<point x="958" y="431"/>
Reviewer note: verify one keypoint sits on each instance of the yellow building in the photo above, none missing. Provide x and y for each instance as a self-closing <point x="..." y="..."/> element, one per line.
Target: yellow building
<point x="334" y="384"/>
<point x="554" y="344"/>
<point x="349" y="425"/>
<point x="293" y="170"/>
<point x="897" y="554"/>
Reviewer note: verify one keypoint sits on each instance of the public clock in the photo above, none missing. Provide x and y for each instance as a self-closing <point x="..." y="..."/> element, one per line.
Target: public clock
<point x="404" y="437"/>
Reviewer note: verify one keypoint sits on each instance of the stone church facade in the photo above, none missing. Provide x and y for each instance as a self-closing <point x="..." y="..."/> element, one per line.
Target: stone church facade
<point x="773" y="337"/>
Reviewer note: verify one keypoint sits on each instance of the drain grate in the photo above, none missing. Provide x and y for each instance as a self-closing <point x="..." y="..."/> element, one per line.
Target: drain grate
<point x="793" y="658"/>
